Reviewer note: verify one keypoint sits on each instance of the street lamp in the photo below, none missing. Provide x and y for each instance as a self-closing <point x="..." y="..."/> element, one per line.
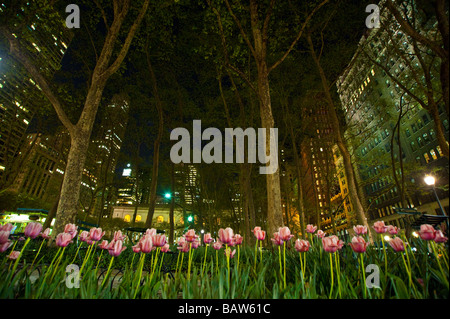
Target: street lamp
<point x="431" y="181"/>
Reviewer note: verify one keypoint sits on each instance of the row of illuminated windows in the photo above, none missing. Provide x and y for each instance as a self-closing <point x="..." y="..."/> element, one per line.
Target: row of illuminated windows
<point x="431" y="155"/>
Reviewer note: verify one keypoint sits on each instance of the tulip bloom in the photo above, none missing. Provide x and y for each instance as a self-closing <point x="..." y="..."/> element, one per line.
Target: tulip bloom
<point x="311" y="229"/>
<point x="118" y="236"/>
<point x="96" y="234"/>
<point x="360" y="229"/>
<point x="393" y="230"/>
<point x="238" y="239"/>
<point x="7" y="227"/>
<point x="358" y="244"/>
<point x="63" y="239"/>
<point x="260" y="234"/>
<point x="84" y="236"/>
<point x="184" y="248"/>
<point x="229" y="253"/>
<point x="33" y="230"/>
<point x="226" y="236"/>
<point x="427" y="232"/>
<point x="71" y="229"/>
<point x="4" y="235"/>
<point x="159" y="240"/>
<point x="190" y="235"/>
<point x="104" y="245"/>
<point x="380" y="227"/>
<point x="116" y="248"/>
<point x="146" y="244"/>
<point x="165" y="248"/>
<point x="285" y="233"/>
<point x="277" y="239"/>
<point x="4" y="247"/>
<point x="196" y="243"/>
<point x="440" y="238"/>
<point x="302" y="245"/>
<point x="330" y="244"/>
<point x="207" y="238"/>
<point x="217" y="245"/>
<point x="46" y="233"/>
<point x="136" y="248"/>
<point x="397" y="244"/>
<point x="14" y="255"/>
<point x="320" y="233"/>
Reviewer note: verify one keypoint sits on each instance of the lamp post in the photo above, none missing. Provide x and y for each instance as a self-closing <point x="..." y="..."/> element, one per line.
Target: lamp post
<point x="431" y="181"/>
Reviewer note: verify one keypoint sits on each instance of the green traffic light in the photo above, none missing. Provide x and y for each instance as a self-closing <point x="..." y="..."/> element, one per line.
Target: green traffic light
<point x="190" y="218"/>
<point x="167" y="195"/>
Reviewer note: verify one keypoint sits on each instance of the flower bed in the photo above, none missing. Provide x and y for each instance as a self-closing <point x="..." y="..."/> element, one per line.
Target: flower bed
<point x="317" y="267"/>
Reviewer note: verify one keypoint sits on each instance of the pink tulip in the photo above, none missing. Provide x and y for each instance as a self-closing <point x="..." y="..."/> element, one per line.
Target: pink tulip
<point x="331" y="244"/>
<point x="7" y="227"/>
<point x="393" y="230"/>
<point x="181" y="241"/>
<point x="397" y="244"/>
<point x="46" y="233"/>
<point x="33" y="230"/>
<point x="226" y="235"/>
<point x="320" y="233"/>
<point x="184" y="247"/>
<point x="84" y="235"/>
<point x="63" y="239"/>
<point x="380" y="227"/>
<point x="117" y="248"/>
<point x="96" y="234"/>
<point x="238" y="239"/>
<point x="277" y="239"/>
<point x="285" y="233"/>
<point x="190" y="235"/>
<point x="358" y="244"/>
<point x="119" y="236"/>
<point x="103" y="245"/>
<point x="207" y="238"/>
<point x="311" y="229"/>
<point x="136" y="248"/>
<point x="360" y="229"/>
<point x="427" y="232"/>
<point x="4" y="235"/>
<point x="165" y="248"/>
<point x="196" y="243"/>
<point x="302" y="245"/>
<point x="71" y="229"/>
<point x="230" y="253"/>
<point x="440" y="238"/>
<point x="217" y="245"/>
<point x="159" y="240"/>
<point x="150" y="231"/>
<point x="4" y="247"/>
<point x="260" y="234"/>
<point x="14" y="255"/>
<point x="146" y="244"/>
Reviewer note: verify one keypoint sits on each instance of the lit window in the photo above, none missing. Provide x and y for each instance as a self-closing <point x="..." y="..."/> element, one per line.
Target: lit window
<point x="427" y="157"/>
<point x="433" y="154"/>
<point x="160" y="219"/>
<point x="439" y="151"/>
<point x="138" y="218"/>
<point x="127" y="218"/>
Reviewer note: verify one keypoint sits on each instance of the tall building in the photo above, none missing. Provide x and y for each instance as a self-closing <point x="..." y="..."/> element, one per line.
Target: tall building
<point x="20" y="97"/>
<point x="373" y="104"/>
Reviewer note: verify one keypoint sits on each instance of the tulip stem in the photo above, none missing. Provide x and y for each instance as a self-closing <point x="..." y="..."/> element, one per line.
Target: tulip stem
<point x="204" y="259"/>
<point x="178" y="260"/>
<point x="40" y="247"/>
<point x="260" y="251"/>
<point x="256" y="252"/>
<point x="57" y="263"/>
<point x="284" y="264"/>
<point x="332" y="279"/>
<point x="439" y="263"/>
<point x="108" y="271"/>
<point x="189" y="262"/>
<point x="48" y="271"/>
<point x="238" y="253"/>
<point x="76" y="254"/>
<point x="100" y="258"/>
<point x="141" y="265"/>
<point x="385" y="258"/>
<point x="301" y="263"/>
<point x="20" y="255"/>
<point x="279" y="261"/>
<point x="363" y="275"/>
<point x="336" y="257"/>
<point x="217" y="261"/>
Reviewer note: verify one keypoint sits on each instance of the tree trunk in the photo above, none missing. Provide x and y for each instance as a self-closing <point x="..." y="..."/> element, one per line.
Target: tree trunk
<point x="70" y="190"/>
